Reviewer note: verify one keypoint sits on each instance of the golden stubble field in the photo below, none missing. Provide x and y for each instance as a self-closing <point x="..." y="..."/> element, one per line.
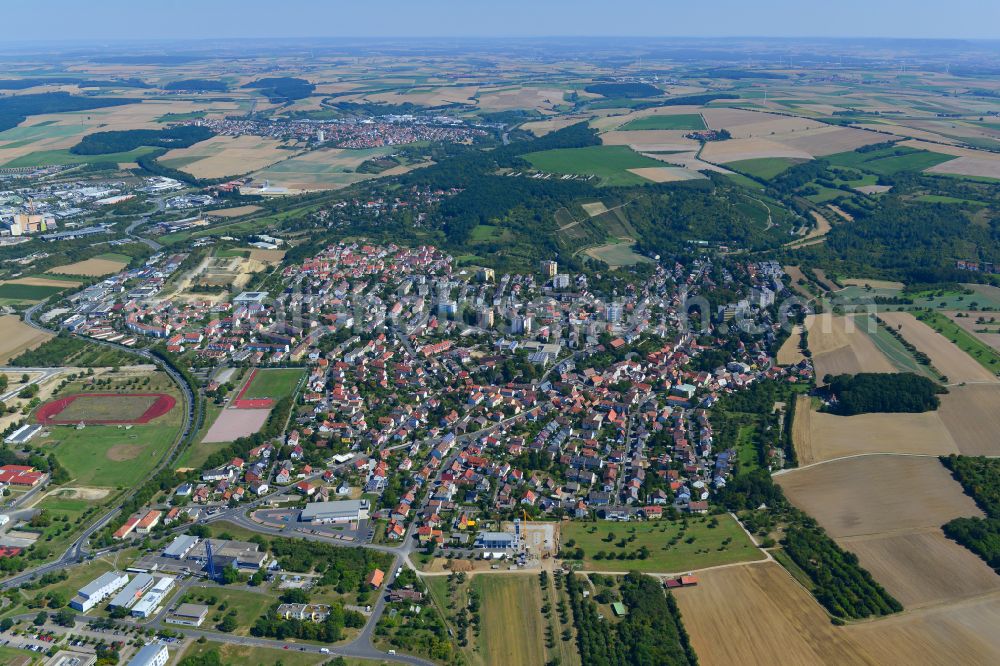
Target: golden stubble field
<point x="223" y="156"/>
<point x="954" y="363"/>
<point x="17" y="337"/>
<point x="90" y="268"/>
<point x="758" y="615"/>
<point x="888" y="510"/>
<point x="840" y="346"/>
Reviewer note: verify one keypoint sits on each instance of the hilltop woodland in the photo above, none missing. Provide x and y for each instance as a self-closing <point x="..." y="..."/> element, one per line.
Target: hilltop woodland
<point x="651" y="634"/>
<point x="980" y="477"/>
<point x="101" y="143"/>
<point x="882" y="392"/>
<point x="664" y="217"/>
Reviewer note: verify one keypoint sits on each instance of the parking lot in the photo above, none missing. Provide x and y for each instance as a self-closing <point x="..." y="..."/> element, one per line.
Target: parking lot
<point x="287" y="520"/>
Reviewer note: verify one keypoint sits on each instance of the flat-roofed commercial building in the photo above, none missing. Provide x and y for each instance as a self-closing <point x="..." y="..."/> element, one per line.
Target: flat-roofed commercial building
<point x="133" y="591"/>
<point x="154" y="654"/>
<point x="343" y="511"/>
<point x="152" y="599"/>
<point x="180" y="546"/>
<point x="190" y="615"/>
<point x="98" y="590"/>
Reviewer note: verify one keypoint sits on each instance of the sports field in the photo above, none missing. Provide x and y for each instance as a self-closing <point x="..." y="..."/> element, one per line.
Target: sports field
<point x="274" y="384"/>
<point x="105" y="408"/>
<point x="671" y="548"/>
<point x="610" y="164"/>
<point x="681" y="121"/>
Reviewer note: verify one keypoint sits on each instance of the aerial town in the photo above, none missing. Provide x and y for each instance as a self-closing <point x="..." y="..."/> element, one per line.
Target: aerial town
<point x="518" y="351"/>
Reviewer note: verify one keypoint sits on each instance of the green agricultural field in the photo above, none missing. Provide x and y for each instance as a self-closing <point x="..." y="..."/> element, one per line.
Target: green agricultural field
<point x="50" y="157"/>
<point x="114" y="256"/>
<point x="940" y="198"/>
<point x="743" y="181"/>
<point x="682" y="121"/>
<point x="609" y="163"/>
<point x="699" y="546"/>
<point x="11" y="294"/>
<point x="274" y="384"/>
<point x="617" y="254"/>
<point x="765" y="168"/>
<point x="889" y="161"/>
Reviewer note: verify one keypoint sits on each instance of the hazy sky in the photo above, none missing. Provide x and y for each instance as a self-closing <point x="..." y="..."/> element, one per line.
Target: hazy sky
<point x="153" y="19"/>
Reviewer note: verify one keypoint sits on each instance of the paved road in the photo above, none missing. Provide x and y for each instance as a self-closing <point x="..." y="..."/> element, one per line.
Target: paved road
<point x="15" y="388"/>
<point x="78" y="550"/>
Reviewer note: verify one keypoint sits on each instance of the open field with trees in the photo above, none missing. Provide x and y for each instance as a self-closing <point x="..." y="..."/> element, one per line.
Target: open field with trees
<point x="658" y="546"/>
<point x="610" y="164"/>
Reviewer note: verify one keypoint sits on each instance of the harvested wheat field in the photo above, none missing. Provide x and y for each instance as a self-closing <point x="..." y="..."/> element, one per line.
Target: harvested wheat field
<point x="37" y="281"/>
<point x="541" y="99"/>
<point x="839" y="346"/>
<point x="967" y="320"/>
<point x="270" y="257"/>
<point x="223" y="156"/>
<point x="829" y="140"/>
<point x="17" y="337"/>
<point x="790" y="354"/>
<point x="90" y="268"/>
<point x="922" y="567"/>
<point x="543" y="127"/>
<point x="888" y="510"/>
<point x="821" y="436"/>
<point x="954" y="363"/>
<point x="651" y="140"/>
<point x="847" y="217"/>
<point x="971" y="414"/>
<point x="666" y="174"/>
<point x="969" y="166"/>
<point x="735" y="150"/>
<point x="233" y="212"/>
<point x="756" y="614"/>
<point x="877" y="494"/>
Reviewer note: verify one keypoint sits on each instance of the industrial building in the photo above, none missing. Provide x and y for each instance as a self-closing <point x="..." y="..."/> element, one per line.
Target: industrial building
<point x="343" y="511"/>
<point x="98" y="590"/>
<point x="154" y="654"/>
<point x="495" y="540"/>
<point x="152" y="600"/>
<point x="133" y="591"/>
<point x="180" y="547"/>
<point x="23" y="434"/>
<point x="190" y="615"/>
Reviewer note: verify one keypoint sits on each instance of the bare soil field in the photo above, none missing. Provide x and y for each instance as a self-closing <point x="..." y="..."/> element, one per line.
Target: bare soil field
<point x="267" y="256"/>
<point x="971" y="414"/>
<point x="821" y="436"/>
<point x="880" y="495"/>
<point x="429" y="97"/>
<point x="945" y="356"/>
<point x="650" y="140"/>
<point x="17" y="337"/>
<point x="541" y="99"/>
<point x="688" y="160"/>
<point x="43" y="282"/>
<point x="790" y="354"/>
<point x="233" y="212"/>
<point x="594" y="208"/>
<point x="231" y="424"/>
<point x="873" y="189"/>
<point x="839" y="347"/>
<point x="968" y="166"/>
<point x="543" y="127"/>
<point x="957" y="151"/>
<point x="666" y="174"/>
<point x="824" y="280"/>
<point x="828" y="140"/>
<point x="90" y="268"/>
<point x="735" y="150"/>
<point x="223" y="156"/>
<point x="841" y="212"/>
<point x="922" y="567"/>
<point x="795" y="274"/>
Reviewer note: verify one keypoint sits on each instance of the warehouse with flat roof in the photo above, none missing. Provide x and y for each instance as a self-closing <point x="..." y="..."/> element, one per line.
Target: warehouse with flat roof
<point x="97" y="590"/>
<point x="343" y="511"/>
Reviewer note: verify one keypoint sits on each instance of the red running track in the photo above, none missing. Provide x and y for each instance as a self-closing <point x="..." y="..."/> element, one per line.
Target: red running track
<point x="239" y="402"/>
<point x="49" y="412"/>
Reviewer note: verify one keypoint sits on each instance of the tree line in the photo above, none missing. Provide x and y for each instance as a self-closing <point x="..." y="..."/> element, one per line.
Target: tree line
<point x="980" y="477"/>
